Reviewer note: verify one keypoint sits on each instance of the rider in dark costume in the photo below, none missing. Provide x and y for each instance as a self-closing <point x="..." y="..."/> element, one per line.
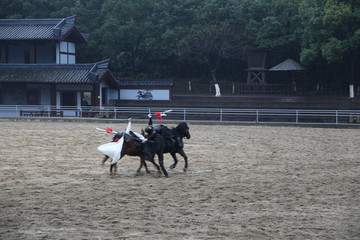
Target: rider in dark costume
<point x="151" y="131"/>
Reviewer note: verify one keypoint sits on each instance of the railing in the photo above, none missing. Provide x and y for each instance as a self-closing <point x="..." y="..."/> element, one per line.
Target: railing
<point x="285" y="116"/>
<point x="237" y="88"/>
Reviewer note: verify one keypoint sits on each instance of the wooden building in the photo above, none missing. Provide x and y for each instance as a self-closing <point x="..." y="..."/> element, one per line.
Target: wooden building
<point x="38" y="65"/>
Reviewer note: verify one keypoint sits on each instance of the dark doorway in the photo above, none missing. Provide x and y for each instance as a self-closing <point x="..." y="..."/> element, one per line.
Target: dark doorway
<point x="69" y="99"/>
<point x="32" y="97"/>
<point x="104" y="92"/>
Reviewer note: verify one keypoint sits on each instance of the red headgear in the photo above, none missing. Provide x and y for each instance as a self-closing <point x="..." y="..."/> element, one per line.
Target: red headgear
<point x="158" y="116"/>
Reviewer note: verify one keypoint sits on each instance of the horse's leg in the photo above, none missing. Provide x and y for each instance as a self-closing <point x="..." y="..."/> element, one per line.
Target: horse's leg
<point x="150" y="157"/>
<point x="161" y="161"/>
<point x="142" y="163"/>
<point x="153" y="162"/>
<point x="111" y="168"/>
<point x="182" y="153"/>
<point x="104" y="160"/>
<point x="142" y="157"/>
<point x="175" y="160"/>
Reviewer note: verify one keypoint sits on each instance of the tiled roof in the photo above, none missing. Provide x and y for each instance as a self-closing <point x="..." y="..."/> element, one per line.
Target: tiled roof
<point x="146" y="83"/>
<point x="53" y="73"/>
<point x="25" y="32"/>
<point x="35" y="29"/>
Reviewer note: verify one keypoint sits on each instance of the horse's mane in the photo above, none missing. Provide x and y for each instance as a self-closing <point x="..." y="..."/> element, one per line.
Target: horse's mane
<point x="180" y="128"/>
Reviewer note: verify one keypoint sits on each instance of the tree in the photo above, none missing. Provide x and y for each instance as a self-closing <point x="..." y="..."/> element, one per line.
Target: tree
<point x="211" y="44"/>
<point x="273" y="25"/>
<point x="332" y="31"/>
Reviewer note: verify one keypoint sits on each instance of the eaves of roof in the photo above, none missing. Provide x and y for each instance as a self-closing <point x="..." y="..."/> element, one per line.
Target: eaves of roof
<point x="36" y="29"/>
<point x="146" y="83"/>
<point x="46" y="73"/>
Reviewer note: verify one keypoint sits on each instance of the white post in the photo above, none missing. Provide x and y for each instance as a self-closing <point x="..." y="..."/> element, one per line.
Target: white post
<point x="217" y="89"/>
<point x="58" y="97"/>
<point x="351" y="90"/>
<point x="337" y="117"/>
<point x="79" y="99"/>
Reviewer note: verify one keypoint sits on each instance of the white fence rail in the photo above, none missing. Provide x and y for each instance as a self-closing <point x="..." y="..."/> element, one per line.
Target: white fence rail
<point x="288" y="116"/>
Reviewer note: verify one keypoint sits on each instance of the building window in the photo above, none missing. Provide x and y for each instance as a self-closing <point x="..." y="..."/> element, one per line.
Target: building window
<point x="27" y="55"/>
<point x="45" y="52"/>
<point x="67" y="53"/>
<point x="87" y="98"/>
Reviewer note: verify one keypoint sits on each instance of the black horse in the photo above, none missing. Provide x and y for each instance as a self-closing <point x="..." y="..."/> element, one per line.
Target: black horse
<point x="167" y="140"/>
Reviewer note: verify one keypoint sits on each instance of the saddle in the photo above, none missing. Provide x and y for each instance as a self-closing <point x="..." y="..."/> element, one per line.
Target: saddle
<point x="127" y="137"/>
<point x="137" y="141"/>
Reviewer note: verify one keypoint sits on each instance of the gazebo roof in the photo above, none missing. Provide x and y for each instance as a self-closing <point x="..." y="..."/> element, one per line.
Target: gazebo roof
<point x="287" y="65"/>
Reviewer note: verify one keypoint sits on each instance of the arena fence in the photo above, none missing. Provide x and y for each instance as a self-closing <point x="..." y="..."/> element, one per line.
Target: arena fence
<point x="285" y="116"/>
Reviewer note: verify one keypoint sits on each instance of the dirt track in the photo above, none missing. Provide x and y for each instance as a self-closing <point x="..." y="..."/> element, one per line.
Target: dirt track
<point x="244" y="182"/>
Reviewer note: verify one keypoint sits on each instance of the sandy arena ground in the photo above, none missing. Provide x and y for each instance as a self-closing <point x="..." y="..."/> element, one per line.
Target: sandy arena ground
<point x="244" y="182"/>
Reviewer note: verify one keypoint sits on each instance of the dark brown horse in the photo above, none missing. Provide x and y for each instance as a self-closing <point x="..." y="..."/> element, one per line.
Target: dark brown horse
<point x="132" y="146"/>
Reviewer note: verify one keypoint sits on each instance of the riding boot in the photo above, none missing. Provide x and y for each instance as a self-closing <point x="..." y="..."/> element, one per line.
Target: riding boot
<point x="145" y="150"/>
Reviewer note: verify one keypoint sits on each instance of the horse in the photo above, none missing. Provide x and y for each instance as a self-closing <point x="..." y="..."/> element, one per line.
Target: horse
<point x="132" y="146"/>
<point x="163" y="142"/>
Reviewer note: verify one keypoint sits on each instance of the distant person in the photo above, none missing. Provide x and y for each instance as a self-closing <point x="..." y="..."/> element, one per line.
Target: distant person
<point x="84" y="102"/>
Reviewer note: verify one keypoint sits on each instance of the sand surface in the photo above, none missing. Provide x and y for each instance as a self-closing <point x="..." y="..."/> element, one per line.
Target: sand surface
<point x="243" y="182"/>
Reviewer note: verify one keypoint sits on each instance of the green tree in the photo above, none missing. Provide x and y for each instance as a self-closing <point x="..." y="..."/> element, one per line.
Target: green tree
<point x="211" y="44"/>
<point x="273" y="25"/>
<point x="332" y="31"/>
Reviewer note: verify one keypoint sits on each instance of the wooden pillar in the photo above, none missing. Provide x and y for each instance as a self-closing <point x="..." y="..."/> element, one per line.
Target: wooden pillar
<point x="96" y="99"/>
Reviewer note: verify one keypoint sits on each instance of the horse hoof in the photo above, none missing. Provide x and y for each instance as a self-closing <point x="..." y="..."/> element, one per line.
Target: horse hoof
<point x="185" y="169"/>
<point x="172" y="167"/>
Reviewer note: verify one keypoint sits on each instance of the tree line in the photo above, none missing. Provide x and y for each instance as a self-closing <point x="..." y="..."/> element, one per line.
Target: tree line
<point x="205" y="40"/>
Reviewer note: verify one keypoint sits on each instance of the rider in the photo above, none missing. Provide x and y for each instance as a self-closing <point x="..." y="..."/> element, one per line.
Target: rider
<point x="150" y="132"/>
